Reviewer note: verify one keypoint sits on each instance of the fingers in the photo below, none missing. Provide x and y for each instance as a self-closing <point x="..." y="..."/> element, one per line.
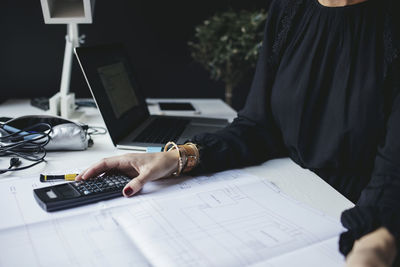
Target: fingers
<point x="144" y="167"/>
<point x="99" y="168"/>
<point x="135" y="185"/>
<point x="79" y="176"/>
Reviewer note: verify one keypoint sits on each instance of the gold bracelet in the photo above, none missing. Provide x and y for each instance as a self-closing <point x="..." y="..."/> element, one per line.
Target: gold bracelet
<point x="188" y="156"/>
<point x="171" y="146"/>
<point x="192" y="156"/>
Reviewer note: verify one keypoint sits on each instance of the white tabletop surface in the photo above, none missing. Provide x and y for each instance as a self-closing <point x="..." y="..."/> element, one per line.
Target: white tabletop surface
<point x="291" y="179"/>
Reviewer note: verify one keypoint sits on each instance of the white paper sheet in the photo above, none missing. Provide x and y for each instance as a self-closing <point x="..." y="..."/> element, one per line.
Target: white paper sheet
<point x="226" y="219"/>
<point x="85" y="240"/>
<point x="325" y="254"/>
<point x="236" y="220"/>
<point x="20" y="208"/>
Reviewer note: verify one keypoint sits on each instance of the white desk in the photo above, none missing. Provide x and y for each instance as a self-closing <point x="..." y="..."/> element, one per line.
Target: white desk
<point x="296" y="182"/>
<point x="305" y="186"/>
<point x="103" y="147"/>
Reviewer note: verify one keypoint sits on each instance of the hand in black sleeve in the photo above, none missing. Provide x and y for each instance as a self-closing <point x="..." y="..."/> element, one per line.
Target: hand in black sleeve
<point x="252" y="137"/>
<point x="379" y="204"/>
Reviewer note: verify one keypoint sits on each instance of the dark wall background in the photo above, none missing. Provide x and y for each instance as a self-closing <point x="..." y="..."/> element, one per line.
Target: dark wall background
<point x="155" y="34"/>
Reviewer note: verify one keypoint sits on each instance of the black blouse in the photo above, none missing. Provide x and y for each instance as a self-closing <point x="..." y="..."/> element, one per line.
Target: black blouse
<point x="328" y="105"/>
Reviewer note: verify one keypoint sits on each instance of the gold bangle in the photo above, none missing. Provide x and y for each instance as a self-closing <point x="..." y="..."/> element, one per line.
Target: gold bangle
<point x="188" y="156"/>
<point x="171" y="146"/>
<point x="191" y="156"/>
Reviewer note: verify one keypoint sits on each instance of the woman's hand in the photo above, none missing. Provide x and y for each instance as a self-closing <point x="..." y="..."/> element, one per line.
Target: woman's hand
<point x="143" y="167"/>
<point x="377" y="249"/>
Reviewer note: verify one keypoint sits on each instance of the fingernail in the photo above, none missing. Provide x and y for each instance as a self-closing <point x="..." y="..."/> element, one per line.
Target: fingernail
<point x="128" y="191"/>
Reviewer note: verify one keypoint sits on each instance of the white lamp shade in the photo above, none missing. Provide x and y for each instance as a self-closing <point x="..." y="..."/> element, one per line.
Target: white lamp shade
<point x="67" y="11"/>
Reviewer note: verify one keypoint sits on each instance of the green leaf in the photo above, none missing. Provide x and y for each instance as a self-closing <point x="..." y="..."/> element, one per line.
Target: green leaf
<point x="227" y="44"/>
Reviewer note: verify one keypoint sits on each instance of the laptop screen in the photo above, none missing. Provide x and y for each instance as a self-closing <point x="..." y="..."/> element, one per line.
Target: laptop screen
<point x="115" y="88"/>
<point x="118" y="87"/>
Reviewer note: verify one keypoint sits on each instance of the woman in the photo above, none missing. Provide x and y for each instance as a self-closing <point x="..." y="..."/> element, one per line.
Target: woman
<point x="326" y="93"/>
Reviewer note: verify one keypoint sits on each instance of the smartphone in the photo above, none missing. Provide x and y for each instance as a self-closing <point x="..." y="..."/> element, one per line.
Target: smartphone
<point x="176" y="106"/>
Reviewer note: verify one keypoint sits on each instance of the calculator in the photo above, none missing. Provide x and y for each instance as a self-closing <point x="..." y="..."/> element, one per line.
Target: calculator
<point x="73" y="194"/>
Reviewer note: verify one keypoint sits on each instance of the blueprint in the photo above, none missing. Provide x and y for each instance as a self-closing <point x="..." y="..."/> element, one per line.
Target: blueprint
<point x="225" y="219"/>
<point x="84" y="240"/>
<point x="237" y="220"/>
<point x="311" y="256"/>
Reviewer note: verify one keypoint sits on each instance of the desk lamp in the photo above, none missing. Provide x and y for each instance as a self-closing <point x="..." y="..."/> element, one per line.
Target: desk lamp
<point x="71" y="13"/>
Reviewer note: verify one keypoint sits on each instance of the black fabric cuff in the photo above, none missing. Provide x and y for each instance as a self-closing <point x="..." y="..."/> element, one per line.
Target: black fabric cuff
<point x="362" y="220"/>
<point x="211" y="150"/>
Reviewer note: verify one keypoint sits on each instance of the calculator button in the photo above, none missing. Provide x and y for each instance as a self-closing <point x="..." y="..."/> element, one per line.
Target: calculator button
<point x="106" y="183"/>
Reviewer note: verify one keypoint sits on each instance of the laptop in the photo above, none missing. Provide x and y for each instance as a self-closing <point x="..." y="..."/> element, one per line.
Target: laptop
<point x="116" y="91"/>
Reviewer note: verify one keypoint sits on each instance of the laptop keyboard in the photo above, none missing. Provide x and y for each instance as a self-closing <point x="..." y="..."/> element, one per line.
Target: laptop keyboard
<point x="162" y="130"/>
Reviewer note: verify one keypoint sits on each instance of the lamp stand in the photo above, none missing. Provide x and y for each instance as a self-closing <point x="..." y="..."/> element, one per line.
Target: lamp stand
<point x="63" y="103"/>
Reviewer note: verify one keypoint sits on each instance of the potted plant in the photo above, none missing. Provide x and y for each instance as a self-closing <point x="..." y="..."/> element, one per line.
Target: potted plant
<point x="227" y="45"/>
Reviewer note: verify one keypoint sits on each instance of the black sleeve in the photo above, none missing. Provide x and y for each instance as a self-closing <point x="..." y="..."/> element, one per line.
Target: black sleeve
<point x="253" y="136"/>
<point x="379" y="204"/>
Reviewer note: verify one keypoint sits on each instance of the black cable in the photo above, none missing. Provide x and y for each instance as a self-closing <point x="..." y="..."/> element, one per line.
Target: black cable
<point x="28" y="143"/>
<point x="14" y="162"/>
